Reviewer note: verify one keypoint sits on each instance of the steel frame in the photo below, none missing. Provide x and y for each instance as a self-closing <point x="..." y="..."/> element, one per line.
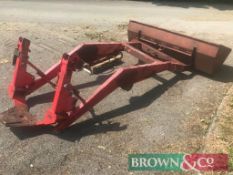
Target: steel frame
<point x="64" y="110"/>
<point x="156" y="49"/>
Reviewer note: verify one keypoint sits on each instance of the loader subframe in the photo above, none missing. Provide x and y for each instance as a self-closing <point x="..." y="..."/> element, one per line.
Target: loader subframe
<point x="68" y="105"/>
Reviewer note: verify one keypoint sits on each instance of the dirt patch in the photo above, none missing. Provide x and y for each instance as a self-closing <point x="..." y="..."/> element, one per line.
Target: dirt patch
<point x="219" y="138"/>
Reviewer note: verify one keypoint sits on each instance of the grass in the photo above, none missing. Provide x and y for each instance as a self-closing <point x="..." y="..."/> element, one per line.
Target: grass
<point x="95" y="35"/>
<point x="227" y="136"/>
<point x="230" y="159"/>
<point x="100" y="36"/>
<point x="227" y="132"/>
<point x="220" y="139"/>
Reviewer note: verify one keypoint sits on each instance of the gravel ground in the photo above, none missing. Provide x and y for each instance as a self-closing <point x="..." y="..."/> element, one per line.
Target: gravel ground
<point x="172" y="115"/>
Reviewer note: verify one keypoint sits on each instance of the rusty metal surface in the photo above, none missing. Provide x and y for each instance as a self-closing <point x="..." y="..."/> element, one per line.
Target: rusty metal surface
<point x="17" y="116"/>
<point x="208" y="57"/>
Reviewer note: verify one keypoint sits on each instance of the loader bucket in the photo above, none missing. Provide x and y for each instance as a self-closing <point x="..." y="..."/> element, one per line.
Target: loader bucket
<point x="207" y="57"/>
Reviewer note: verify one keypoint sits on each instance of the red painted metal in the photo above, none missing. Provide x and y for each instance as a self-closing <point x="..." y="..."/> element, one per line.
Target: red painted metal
<point x="208" y="56"/>
<point x="68" y="105"/>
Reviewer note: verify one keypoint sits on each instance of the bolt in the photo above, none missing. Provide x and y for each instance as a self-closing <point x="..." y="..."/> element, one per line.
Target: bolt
<point x="65" y="56"/>
<point x="20" y="39"/>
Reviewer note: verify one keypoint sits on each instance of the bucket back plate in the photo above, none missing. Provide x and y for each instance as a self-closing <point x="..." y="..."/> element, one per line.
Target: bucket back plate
<point x="208" y="56"/>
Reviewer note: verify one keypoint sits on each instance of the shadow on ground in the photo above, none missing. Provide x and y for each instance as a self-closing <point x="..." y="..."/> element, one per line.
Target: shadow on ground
<point x="101" y="123"/>
<point x="217" y="4"/>
<point x="224" y="75"/>
<point x="48" y="97"/>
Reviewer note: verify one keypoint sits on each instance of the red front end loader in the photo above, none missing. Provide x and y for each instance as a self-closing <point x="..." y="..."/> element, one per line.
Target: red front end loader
<point x="156" y="49"/>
